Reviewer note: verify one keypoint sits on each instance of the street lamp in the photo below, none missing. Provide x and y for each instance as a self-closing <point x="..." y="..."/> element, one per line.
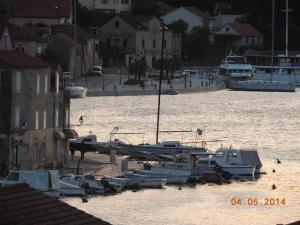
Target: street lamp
<point x="103" y="81"/>
<point x="163" y="29"/>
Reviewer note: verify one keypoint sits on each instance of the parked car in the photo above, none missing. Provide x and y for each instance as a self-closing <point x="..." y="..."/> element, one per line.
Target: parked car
<point x="96" y="70"/>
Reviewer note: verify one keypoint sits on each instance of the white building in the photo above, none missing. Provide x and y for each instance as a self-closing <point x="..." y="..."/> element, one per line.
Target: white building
<point x="221" y="20"/>
<point x="238" y="34"/>
<point x="193" y="16"/>
<point x="108" y="6"/>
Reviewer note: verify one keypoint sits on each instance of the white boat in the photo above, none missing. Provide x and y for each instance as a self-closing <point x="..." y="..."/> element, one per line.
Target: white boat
<point x="68" y="189"/>
<point x="46" y="181"/>
<point x="88" y="182"/>
<point x="166" y="148"/>
<point x="146" y="181"/>
<point x="235" y="67"/>
<point x="244" y="162"/>
<point x="170" y="178"/>
<point x="263" y="85"/>
<point x="77" y="91"/>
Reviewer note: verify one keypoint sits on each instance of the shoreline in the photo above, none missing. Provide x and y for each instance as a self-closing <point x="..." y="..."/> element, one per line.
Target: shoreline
<point x="96" y="93"/>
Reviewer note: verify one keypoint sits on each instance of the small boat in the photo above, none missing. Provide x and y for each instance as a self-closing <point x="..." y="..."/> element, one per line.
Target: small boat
<point x="145" y="180"/>
<point x="46" y="181"/>
<point x="68" y="189"/>
<point x="77" y="91"/>
<point x="170" y="178"/>
<point x="261" y="85"/>
<point x="87" y="143"/>
<point x="170" y="91"/>
<point x="238" y="162"/>
<point x="88" y="182"/>
<point x="114" y="183"/>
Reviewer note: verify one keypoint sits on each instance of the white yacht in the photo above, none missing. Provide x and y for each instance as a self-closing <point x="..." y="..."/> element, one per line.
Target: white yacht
<point x="77" y="91"/>
<point x="235" y="67"/>
<point x="244" y="162"/>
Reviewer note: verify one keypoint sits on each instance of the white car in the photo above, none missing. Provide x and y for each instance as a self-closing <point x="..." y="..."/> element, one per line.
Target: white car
<point x="96" y="70"/>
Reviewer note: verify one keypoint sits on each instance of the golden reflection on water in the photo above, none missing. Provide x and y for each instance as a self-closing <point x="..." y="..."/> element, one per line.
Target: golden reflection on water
<point x="269" y="122"/>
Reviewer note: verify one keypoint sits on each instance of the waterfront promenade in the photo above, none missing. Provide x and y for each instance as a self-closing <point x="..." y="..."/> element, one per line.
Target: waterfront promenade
<point x="113" y="85"/>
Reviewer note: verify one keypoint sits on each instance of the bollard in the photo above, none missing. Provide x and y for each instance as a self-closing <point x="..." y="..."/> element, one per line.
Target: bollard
<point x="124" y="165"/>
<point x="113" y="156"/>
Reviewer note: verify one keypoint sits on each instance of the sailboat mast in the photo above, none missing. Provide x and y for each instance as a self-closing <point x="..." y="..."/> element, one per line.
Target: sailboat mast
<point x="286" y="26"/>
<point x="163" y="29"/>
<point x="273" y="33"/>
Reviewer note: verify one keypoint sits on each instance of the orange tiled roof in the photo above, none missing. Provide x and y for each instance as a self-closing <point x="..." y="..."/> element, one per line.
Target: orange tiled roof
<point x="17" y="59"/>
<point x="42" y="9"/>
<point x="17" y="33"/>
<point x="197" y="11"/>
<point x="245" y="29"/>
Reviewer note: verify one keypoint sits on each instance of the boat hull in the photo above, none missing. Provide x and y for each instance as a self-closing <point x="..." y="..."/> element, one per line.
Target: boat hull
<point x="258" y="85"/>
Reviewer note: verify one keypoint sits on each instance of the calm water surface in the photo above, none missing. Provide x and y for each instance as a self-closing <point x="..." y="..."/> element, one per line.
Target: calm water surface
<point x="269" y="122"/>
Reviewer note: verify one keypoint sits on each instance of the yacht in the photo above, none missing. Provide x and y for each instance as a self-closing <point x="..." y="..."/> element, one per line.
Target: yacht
<point x="235" y="67"/>
<point x="238" y="162"/>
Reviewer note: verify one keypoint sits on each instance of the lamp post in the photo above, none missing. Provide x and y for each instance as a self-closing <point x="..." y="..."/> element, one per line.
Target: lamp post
<point x="103" y="81"/>
<point x="163" y="29"/>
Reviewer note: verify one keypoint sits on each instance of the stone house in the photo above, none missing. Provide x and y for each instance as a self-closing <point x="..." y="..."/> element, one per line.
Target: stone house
<point x="236" y="35"/>
<point x="108" y="6"/>
<point x="76" y="56"/>
<point x="22" y="39"/>
<point x="34" y="114"/>
<point x="136" y="37"/>
<point x="193" y="16"/>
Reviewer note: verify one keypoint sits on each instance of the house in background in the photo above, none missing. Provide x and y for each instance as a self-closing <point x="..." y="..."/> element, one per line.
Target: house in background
<point x="35" y="112"/>
<point x="221" y="20"/>
<point x="39" y="15"/>
<point x="237" y="35"/>
<point x="136" y="37"/>
<point x="22" y="39"/>
<point x="108" y="6"/>
<point x="193" y="16"/>
<point x="77" y="53"/>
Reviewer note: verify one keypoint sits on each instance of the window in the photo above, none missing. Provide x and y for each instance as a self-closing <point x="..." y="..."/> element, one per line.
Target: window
<point x="227" y="29"/>
<point x="17" y="117"/>
<point x="247" y="40"/>
<point x="37" y="84"/>
<point x="108" y="42"/>
<point x="154" y="43"/>
<point x="104" y="1"/>
<point x="125" y="43"/>
<point x="46" y="84"/>
<point x="143" y="43"/>
<point x="56" y="118"/>
<point x="45" y="120"/>
<point x="253" y="41"/>
<point x="123" y="2"/>
<point x="67" y="117"/>
<point x="126" y="2"/>
<point x="36" y="120"/>
<point x="18" y="81"/>
<point x="117" y="24"/>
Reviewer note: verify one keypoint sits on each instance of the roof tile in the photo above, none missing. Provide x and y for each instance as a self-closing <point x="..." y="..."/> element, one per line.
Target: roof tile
<point x="39" y="212"/>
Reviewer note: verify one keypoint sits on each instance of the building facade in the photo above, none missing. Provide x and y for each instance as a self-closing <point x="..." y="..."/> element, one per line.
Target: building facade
<point x="108" y="6"/>
<point x="35" y="113"/>
<point x="137" y="37"/>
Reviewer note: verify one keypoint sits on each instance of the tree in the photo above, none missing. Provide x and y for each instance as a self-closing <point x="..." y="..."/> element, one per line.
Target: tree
<point x="138" y="68"/>
<point x="179" y="27"/>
